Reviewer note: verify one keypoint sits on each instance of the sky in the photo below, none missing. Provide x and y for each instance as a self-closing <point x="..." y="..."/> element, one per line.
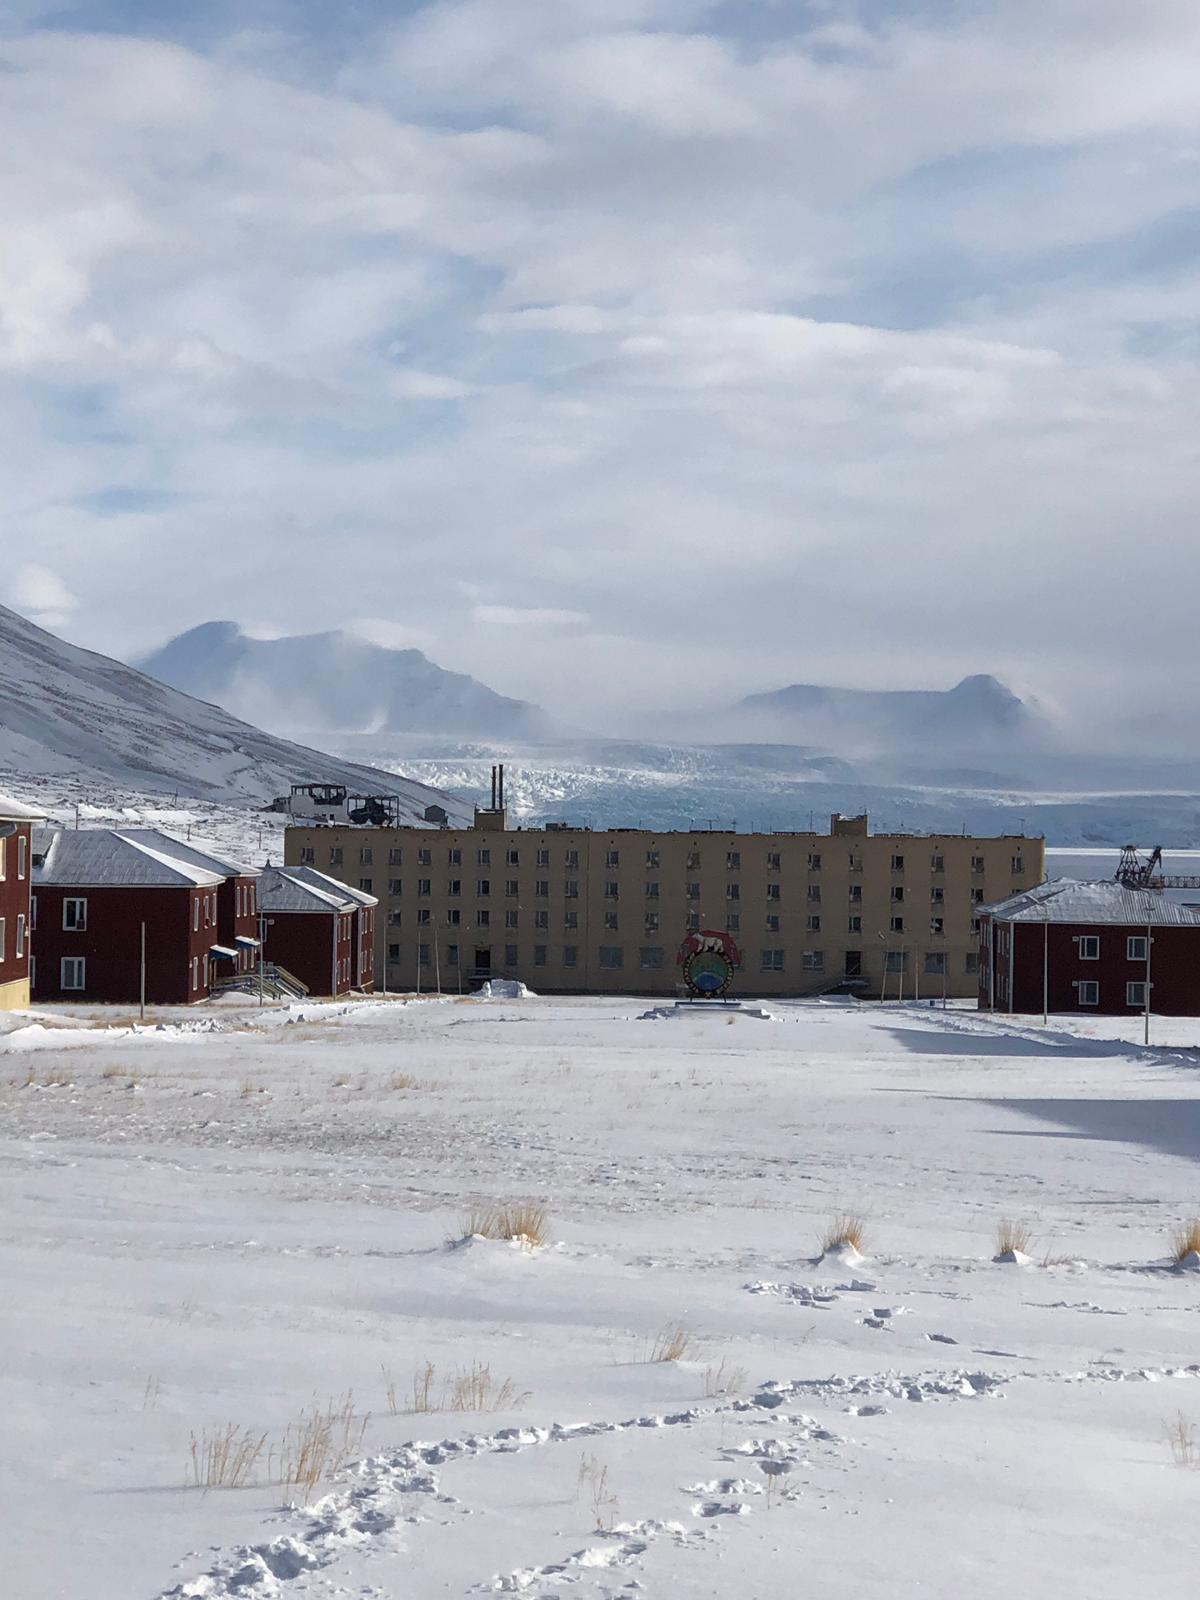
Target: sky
<point x="624" y="353"/>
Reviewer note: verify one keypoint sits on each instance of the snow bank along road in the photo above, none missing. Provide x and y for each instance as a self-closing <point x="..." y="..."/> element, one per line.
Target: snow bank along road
<point x="229" y="1219"/>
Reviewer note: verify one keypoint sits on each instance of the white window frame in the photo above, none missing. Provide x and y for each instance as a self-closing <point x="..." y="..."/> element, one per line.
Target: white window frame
<point x="77" y="967"/>
<point x="1140" y="1002"/>
<point x="81" y="920"/>
<point x="1092" y="987"/>
<point x="3" y="939"/>
<point x="19" y="948"/>
<point x="1089" y="947"/>
<point x="1131" y="954"/>
<point x="22" y="855"/>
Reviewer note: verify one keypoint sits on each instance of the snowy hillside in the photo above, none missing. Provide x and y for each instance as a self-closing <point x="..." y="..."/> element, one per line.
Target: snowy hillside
<point x="979" y="713"/>
<point x="333" y="682"/>
<point x="71" y="715"/>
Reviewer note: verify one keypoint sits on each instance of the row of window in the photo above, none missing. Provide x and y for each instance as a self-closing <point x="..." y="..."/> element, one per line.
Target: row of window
<point x="612" y="859"/>
<point x="651" y="922"/>
<point x="652" y="958"/>
<point x="1089" y="947"/>
<point x="22" y="857"/>
<point x="1088" y="993"/>
<point x="541" y="891"/>
<point x="18" y="953"/>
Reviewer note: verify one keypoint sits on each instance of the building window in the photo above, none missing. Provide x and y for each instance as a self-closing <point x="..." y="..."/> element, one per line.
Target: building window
<point x="935" y="963"/>
<point x="976" y="863"/>
<point x="853" y="964"/>
<point x="937" y="926"/>
<point x="937" y="895"/>
<point x="512" y="919"/>
<point x="1088" y="992"/>
<point x="541" y="889"/>
<point x="483" y="918"/>
<point x="774" y="892"/>
<point x="570" y="955"/>
<point x="814" y="861"/>
<point x="570" y="920"/>
<point x="1018" y="864"/>
<point x="772" y="924"/>
<point x="897" y="894"/>
<point x="366" y="856"/>
<point x="541" y="919"/>
<point x="733" y="922"/>
<point x="542" y="859"/>
<point x="393" y="953"/>
<point x="854" y="925"/>
<point x="1135" y="995"/>
<point x="812" y="924"/>
<point x="510" y="955"/>
<point x="3" y="938"/>
<point x="650" y="958"/>
<point x="423" y="954"/>
<point x="813" y="960"/>
<point x="539" y="955"/>
<point x="395" y="886"/>
<point x="75" y="915"/>
<point x="393" y="919"/>
<point x="773" y="863"/>
<point x="1089" y="947"/>
<point x="307" y="855"/>
<point x="424" y="857"/>
<point x="814" y="892"/>
<point x="423" y="888"/>
<point x="571" y="860"/>
<point x="856" y="894"/>
<point x="971" y="964"/>
<point x="612" y="858"/>
<point x="612" y="957"/>
<point x="454" y="856"/>
<point x="772" y="961"/>
<point x="73" y="973"/>
<point x="483" y="888"/>
<point x="511" y="888"/>
<point x="897" y="863"/>
<point x="652" y="922"/>
<point x="652" y="860"/>
<point x="693" y="922"/>
<point x="611" y="891"/>
<point x="195" y="972"/>
<point x="733" y="891"/>
<point x="652" y="891"/>
<point x="335" y="856"/>
<point x="451" y="955"/>
<point x="454" y="887"/>
<point x="512" y="858"/>
<point x="483" y="858"/>
<point x="1135" y="948"/>
<point x="395" y="857"/>
<point x="365" y="884"/>
<point x="733" y="860"/>
<point x="976" y="897"/>
<point x="937" y="863"/>
<point x="896" y="960"/>
<point x="424" y="917"/>
<point x="571" y="888"/>
<point x="454" y="918"/>
<point x="19" y="951"/>
<point x="897" y="925"/>
<point x="693" y="861"/>
<point x="856" y="864"/>
<point x="693" y="891"/>
<point x="22" y="849"/>
<point x="610" y="921"/>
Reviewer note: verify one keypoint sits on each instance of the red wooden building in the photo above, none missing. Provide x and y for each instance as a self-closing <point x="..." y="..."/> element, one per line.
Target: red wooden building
<point x="237" y="898"/>
<point x="16" y="854"/>
<point x="1089" y="947"/>
<point x="318" y="929"/>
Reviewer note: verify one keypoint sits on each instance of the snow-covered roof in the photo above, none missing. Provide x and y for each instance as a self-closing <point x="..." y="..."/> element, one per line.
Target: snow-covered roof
<point x="93" y="858"/>
<point x="184" y="850"/>
<point x="14" y="811"/>
<point x="1067" y="901"/>
<point x="282" y="889"/>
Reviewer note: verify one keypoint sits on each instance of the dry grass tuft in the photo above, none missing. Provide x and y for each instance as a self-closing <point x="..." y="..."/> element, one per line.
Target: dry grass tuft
<point x="847" y="1227"/>
<point x="593" y="1481"/>
<point x="54" y="1078"/>
<point x="1013" y="1236"/>
<point x="224" y="1458"/>
<point x="474" y="1389"/>
<point x="403" y="1080"/>
<point x="724" y="1379"/>
<point x="525" y="1222"/>
<point x="1186" y="1239"/>
<point x="318" y="1443"/>
<point x="1181" y="1441"/>
<point x="674" y="1342"/>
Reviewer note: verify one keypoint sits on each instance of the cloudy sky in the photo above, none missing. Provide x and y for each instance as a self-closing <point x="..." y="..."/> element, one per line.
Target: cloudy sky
<point x="620" y="352"/>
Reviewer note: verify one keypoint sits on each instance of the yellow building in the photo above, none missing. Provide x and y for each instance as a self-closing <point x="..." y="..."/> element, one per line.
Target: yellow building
<point x="575" y="911"/>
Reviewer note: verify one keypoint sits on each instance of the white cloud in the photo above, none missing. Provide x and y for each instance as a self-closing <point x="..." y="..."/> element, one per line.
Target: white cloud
<point x="42" y="596"/>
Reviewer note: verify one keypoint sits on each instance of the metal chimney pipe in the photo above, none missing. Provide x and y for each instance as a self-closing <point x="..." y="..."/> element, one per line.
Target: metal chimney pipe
<point x="493" y="786"/>
<point x="501" y="786"/>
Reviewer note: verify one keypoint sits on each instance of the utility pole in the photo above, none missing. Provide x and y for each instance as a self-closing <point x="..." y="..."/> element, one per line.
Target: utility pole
<point x="1045" y="967"/>
<point x="437" y="962"/>
<point x="1146" y="1029"/>
<point x="142" y="979"/>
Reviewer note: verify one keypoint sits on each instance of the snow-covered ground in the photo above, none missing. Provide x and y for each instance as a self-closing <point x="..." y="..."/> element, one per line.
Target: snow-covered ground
<point x="231" y="1216"/>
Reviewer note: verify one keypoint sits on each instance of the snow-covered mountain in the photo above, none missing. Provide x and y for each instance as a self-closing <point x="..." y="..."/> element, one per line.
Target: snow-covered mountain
<point x="72" y="713"/>
<point x="334" y="683"/>
<point x="978" y="714"/>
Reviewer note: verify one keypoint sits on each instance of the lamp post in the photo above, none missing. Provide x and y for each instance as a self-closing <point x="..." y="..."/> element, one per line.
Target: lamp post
<point x="1045" y="967"/>
<point x="1146" y="1018"/>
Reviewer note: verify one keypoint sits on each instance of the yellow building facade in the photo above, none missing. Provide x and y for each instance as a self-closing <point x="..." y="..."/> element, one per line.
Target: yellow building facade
<point x="576" y="911"/>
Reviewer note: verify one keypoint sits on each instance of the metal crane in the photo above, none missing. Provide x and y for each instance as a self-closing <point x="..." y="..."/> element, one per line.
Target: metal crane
<point x="1134" y="873"/>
